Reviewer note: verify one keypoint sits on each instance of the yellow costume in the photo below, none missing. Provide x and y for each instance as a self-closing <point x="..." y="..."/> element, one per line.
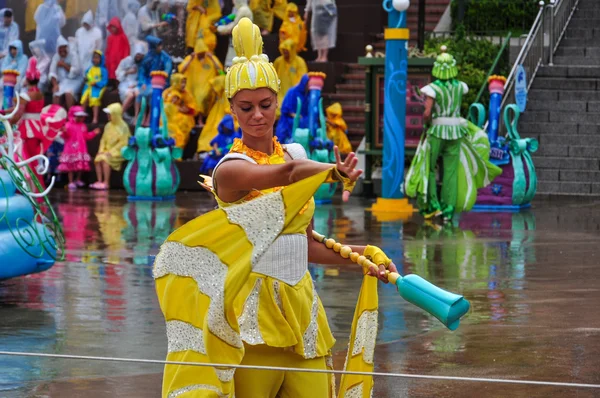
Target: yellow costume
<point x="200" y="24"/>
<point x="219" y="106"/>
<point x="115" y="137"/>
<point x="290" y="71"/>
<point x="180" y="123"/>
<point x="198" y="74"/>
<point x="230" y="297"/>
<point x="293" y="28"/>
<point x="337" y="127"/>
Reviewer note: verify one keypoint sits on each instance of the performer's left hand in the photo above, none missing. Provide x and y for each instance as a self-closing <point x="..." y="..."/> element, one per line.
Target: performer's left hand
<point x="381" y="273"/>
<point x="347" y="167"/>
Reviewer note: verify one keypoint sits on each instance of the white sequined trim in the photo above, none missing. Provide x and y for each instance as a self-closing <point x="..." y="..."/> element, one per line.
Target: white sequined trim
<point x="354" y="392"/>
<point x="182" y="336"/>
<point x="196" y="387"/>
<point x="262" y="220"/>
<point x="209" y="272"/>
<point x="248" y="321"/>
<point x="225" y="375"/>
<point x="366" y="334"/>
<point x="310" y="335"/>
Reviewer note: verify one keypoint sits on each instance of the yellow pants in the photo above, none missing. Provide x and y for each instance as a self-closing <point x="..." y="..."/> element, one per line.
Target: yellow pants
<point x="253" y="383"/>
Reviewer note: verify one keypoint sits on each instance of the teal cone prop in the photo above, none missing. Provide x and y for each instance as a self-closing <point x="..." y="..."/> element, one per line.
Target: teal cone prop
<point x="445" y="306"/>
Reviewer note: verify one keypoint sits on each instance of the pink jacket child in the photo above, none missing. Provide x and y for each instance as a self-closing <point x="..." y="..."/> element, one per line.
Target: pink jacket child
<point x="75" y="157"/>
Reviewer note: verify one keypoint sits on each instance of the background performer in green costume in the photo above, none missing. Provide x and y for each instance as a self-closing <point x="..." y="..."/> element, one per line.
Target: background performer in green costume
<point x="464" y="148"/>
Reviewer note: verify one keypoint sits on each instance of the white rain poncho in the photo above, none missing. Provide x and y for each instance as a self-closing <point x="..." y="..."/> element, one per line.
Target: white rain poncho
<point x="49" y="18"/>
<point x="18" y="63"/>
<point x="107" y="10"/>
<point x="38" y="50"/>
<point x="68" y="82"/>
<point x="128" y="82"/>
<point x="88" y="41"/>
<point x="323" y="23"/>
<point x="8" y="34"/>
<point x="241" y="10"/>
<point x="130" y="23"/>
<point x="149" y="19"/>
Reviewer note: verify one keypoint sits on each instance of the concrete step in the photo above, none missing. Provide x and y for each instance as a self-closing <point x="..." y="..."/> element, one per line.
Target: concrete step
<point x="585" y="61"/>
<point x="358" y="110"/>
<point x="576" y="151"/>
<point x="567" y="163"/>
<point x="354" y="119"/>
<point x="429" y="9"/>
<point x="590" y="13"/>
<point x="567" y="95"/>
<point x="345" y="96"/>
<point x="355" y="78"/>
<point x="579" y="176"/>
<point x="355" y="68"/>
<point x="586" y="71"/>
<point x="527" y="129"/>
<point x="570" y="42"/>
<point x="560" y="117"/>
<point x="584" y="23"/>
<point x="547" y="174"/>
<point x="576" y="32"/>
<point x="565" y="188"/>
<point x="565" y="84"/>
<point x="349" y="87"/>
<point x="569" y="140"/>
<point x="551" y="105"/>
<point x="582" y="51"/>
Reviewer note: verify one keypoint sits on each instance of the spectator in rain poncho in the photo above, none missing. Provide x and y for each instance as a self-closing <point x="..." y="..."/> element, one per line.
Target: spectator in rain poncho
<point x="49" y="18"/>
<point x="127" y="74"/>
<point x="290" y="68"/>
<point x="117" y="47"/>
<point x="323" y="26"/>
<point x="202" y="14"/>
<point x="293" y="28"/>
<point x="38" y="51"/>
<point x="96" y="79"/>
<point x="155" y="60"/>
<point x="149" y="19"/>
<point x="15" y="60"/>
<point x="264" y="10"/>
<point x="9" y="31"/>
<point x="65" y="73"/>
<point x="199" y="68"/>
<point x="107" y="10"/>
<point x="89" y="39"/>
<point x="130" y="23"/>
<point x="241" y="10"/>
<point x="289" y="109"/>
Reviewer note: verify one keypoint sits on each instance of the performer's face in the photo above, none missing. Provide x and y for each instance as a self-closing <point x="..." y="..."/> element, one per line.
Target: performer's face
<point x="255" y="111"/>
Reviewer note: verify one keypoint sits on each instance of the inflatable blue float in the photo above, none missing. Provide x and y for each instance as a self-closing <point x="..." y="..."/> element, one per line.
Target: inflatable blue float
<point x="31" y="238"/>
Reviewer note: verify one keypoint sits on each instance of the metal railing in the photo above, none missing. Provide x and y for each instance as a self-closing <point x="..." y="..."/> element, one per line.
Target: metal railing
<point x="543" y="39"/>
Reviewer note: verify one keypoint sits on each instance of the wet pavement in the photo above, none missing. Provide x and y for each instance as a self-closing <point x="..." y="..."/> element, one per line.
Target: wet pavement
<point x="533" y="279"/>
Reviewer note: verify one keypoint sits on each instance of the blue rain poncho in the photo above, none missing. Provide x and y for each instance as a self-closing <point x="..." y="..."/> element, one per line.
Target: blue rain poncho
<point x="153" y="61"/>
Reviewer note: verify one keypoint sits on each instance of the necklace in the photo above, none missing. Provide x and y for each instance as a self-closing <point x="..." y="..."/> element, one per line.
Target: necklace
<point x="258" y="156"/>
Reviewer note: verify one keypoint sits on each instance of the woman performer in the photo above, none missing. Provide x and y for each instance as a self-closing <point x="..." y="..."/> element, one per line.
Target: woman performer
<point x="234" y="285"/>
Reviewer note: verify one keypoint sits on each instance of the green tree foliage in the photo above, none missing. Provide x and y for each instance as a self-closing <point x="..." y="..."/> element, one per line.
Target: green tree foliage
<point x="496" y="15"/>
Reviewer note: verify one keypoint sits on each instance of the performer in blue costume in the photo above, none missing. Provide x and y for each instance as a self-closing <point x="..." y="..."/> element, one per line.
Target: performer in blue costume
<point x="289" y="108"/>
<point x="221" y="143"/>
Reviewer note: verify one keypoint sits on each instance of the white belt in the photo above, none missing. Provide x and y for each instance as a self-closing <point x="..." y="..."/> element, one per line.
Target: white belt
<point x="286" y="259"/>
<point x="31" y="116"/>
<point x="449" y="121"/>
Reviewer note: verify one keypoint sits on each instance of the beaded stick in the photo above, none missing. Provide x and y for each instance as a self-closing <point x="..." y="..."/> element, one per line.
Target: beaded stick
<point x="346" y="252"/>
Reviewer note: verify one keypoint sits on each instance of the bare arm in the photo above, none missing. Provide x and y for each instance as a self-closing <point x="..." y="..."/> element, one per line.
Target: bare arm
<point x="427" y="112"/>
<point x="235" y="178"/>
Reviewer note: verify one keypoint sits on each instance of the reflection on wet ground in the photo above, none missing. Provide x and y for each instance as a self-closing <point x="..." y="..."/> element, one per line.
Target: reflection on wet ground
<point x="532" y="279"/>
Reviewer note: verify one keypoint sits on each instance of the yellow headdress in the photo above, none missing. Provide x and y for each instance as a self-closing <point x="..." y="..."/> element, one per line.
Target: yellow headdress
<point x="251" y="69"/>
